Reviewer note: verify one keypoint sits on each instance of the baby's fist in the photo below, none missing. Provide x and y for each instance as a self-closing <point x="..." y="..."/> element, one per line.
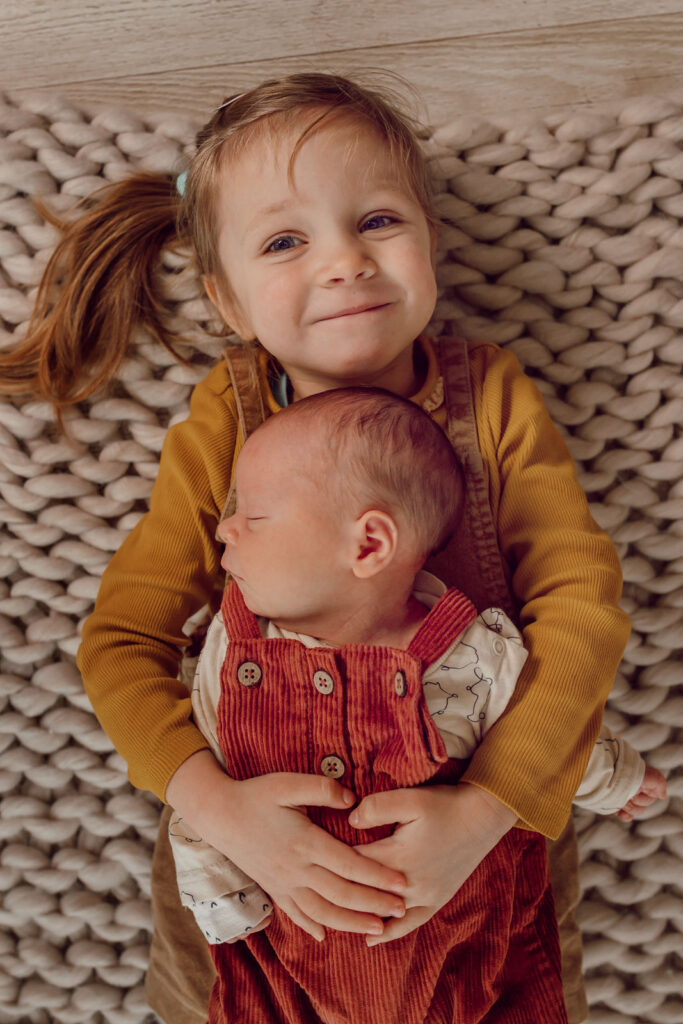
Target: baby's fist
<point x="653" y="787"/>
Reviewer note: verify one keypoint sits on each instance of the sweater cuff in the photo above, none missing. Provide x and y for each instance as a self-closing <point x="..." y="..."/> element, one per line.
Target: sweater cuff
<point x="157" y="775"/>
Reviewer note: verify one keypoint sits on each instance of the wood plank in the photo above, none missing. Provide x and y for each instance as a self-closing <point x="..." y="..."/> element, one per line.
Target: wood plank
<point x="46" y="43"/>
<point x="499" y="74"/>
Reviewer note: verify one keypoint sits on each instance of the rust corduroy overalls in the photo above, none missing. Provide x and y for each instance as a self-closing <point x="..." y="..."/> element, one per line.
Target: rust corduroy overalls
<point x="357" y="713"/>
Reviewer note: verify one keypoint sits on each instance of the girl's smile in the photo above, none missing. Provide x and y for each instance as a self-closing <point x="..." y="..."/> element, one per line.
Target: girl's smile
<point x="334" y="271"/>
<point x="355" y="311"/>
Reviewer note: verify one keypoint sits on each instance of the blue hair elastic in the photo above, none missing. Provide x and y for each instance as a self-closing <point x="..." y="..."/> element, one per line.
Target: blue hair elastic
<point x="181" y="182"/>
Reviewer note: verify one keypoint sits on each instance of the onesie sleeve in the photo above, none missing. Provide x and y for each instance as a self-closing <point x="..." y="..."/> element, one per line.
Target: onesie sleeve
<point x="226" y="903"/>
<point x="566" y="577"/>
<point x="165" y="571"/>
<point x="614" y="774"/>
<point x="468" y="688"/>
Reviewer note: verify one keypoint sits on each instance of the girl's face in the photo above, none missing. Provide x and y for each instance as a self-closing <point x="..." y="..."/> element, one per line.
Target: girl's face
<point x="333" y="272"/>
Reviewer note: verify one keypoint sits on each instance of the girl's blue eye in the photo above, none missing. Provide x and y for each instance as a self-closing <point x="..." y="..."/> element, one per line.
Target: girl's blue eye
<point x="276" y="246"/>
<point x="372" y="222"/>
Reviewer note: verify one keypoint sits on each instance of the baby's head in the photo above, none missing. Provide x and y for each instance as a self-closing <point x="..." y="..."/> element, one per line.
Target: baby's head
<point x="314" y="228"/>
<point x="345" y="489"/>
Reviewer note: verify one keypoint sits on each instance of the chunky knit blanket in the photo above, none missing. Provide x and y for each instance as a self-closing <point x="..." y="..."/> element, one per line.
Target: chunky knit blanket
<point x="563" y="241"/>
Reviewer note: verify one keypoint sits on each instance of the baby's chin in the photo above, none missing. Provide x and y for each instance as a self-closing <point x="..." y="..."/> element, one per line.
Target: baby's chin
<point x="267" y="608"/>
<point x="255" y="604"/>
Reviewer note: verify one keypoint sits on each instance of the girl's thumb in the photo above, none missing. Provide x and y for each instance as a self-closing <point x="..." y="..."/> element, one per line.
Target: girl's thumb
<point x="387" y="808"/>
<point x="317" y="791"/>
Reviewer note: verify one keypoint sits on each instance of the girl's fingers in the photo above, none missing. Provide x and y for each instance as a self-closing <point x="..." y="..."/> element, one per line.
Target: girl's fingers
<point x="347" y="864"/>
<point x="353" y="897"/>
<point x="415" y="917"/>
<point x="392" y="807"/>
<point x="322" y="914"/>
<point x="295" y="790"/>
<point x="307" y="924"/>
<point x="380" y="850"/>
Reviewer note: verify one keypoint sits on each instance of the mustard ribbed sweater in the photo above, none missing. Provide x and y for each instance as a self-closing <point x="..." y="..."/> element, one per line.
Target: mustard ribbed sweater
<point x="564" y="571"/>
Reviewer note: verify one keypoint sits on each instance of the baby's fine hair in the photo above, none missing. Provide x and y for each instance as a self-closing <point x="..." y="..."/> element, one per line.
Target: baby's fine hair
<point x="387" y="453"/>
<point x="102" y="282"/>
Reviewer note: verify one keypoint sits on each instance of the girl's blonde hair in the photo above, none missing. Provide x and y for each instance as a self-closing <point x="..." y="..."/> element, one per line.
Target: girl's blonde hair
<point x="101" y="281"/>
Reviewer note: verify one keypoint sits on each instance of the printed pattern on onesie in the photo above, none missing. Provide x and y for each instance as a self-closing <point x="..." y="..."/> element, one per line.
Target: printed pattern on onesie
<point x="468" y="688"/>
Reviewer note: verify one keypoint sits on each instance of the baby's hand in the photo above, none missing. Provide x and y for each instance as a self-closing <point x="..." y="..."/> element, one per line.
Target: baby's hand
<point x="653" y="787"/>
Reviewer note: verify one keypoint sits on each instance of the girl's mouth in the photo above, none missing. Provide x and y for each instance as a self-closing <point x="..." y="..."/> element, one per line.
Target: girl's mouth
<point x="355" y="311"/>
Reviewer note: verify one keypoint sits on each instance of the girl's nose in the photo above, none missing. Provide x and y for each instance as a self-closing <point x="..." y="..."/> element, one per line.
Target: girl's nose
<point x="347" y="260"/>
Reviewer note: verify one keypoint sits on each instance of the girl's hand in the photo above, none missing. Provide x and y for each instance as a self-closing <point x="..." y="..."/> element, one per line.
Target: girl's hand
<point x="262" y="827"/>
<point x="443" y="833"/>
<point x="653" y="787"/>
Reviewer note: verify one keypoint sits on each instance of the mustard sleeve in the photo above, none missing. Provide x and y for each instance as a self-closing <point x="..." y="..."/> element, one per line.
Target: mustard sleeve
<point x="165" y="570"/>
<point x="566" y="576"/>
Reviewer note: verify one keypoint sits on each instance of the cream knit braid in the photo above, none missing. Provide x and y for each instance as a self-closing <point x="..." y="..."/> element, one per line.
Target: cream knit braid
<point x="564" y="242"/>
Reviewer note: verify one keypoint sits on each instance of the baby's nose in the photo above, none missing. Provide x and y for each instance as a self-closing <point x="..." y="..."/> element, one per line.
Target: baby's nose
<point x="227" y="531"/>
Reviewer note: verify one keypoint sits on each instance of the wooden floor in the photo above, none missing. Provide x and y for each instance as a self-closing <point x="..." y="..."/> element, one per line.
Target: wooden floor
<point x="494" y="57"/>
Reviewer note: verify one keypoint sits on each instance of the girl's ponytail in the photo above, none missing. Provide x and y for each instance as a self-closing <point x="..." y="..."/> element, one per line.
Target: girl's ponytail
<point x="98" y="285"/>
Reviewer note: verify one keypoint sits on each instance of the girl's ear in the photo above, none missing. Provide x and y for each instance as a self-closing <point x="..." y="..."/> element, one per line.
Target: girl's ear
<point x="227" y="308"/>
<point x="375" y="543"/>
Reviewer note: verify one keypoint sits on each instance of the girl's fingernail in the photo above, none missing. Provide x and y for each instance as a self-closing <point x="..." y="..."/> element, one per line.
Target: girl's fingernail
<point x="348" y="797"/>
<point x="375" y="929"/>
<point x="399" y="910"/>
<point x="353" y="818"/>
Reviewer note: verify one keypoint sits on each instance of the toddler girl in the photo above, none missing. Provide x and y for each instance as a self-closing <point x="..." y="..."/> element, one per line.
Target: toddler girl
<point x="310" y="217"/>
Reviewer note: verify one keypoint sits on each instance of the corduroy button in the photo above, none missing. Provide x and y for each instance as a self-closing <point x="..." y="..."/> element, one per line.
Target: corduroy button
<point x="249" y="673"/>
<point x="499" y="646"/>
<point x="332" y="766"/>
<point x="323" y="681"/>
<point x="400" y="684"/>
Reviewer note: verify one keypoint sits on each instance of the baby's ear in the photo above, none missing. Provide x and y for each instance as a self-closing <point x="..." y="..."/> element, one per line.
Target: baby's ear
<point x="375" y="543"/>
<point x="227" y="308"/>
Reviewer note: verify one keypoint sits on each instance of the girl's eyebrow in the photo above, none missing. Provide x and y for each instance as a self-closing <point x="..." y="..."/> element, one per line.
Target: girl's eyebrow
<point x="267" y="211"/>
<point x="256" y="221"/>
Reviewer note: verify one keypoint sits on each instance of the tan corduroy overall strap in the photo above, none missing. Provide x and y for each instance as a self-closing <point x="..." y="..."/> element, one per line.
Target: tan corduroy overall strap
<point x="243" y="370"/>
<point x="472" y="560"/>
<point x="244" y="376"/>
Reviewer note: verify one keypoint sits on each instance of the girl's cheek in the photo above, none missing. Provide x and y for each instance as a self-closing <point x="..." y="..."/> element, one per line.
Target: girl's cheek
<point x="274" y="296"/>
<point x="414" y="256"/>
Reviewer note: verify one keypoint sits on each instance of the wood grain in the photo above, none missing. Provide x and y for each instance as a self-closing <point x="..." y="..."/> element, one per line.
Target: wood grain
<point x="45" y="42"/>
<point x="541" y="69"/>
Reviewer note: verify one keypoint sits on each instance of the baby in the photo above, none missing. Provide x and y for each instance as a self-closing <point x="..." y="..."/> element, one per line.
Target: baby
<point x="328" y="588"/>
